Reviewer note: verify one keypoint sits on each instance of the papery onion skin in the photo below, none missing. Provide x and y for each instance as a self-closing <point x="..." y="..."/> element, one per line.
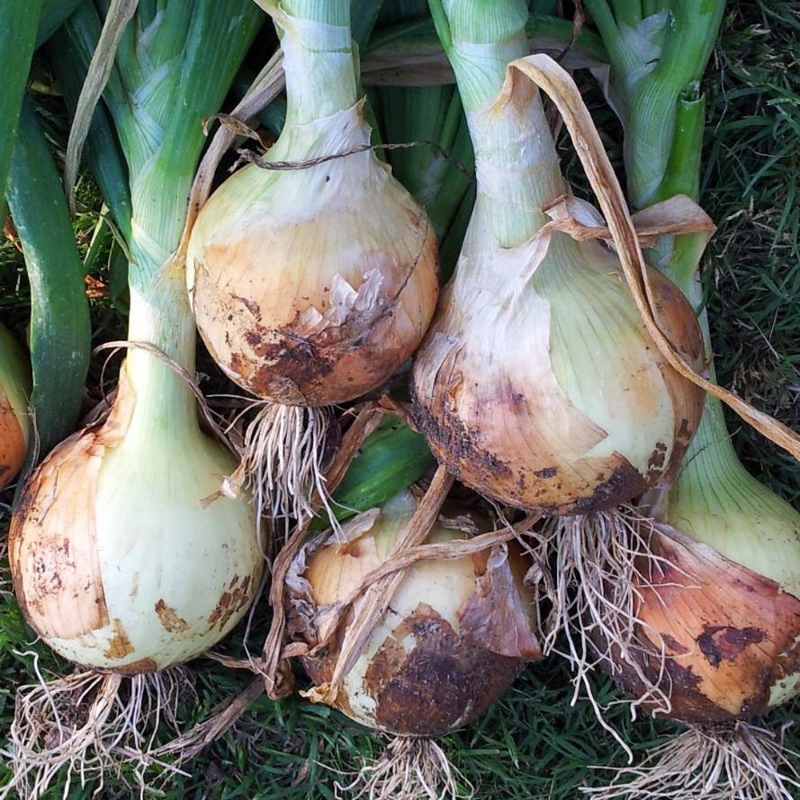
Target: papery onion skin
<point x="454" y="638"/>
<point x="535" y="429"/>
<point x="731" y="637"/>
<point x="313" y="286"/>
<point x="96" y="537"/>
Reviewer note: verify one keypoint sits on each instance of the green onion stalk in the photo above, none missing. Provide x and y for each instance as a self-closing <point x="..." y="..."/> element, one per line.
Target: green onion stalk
<point x="727" y="608"/>
<point x="127" y="557"/>
<point x="312" y="272"/>
<point x="17" y="41"/>
<point x="538" y="384"/>
<point x="45" y="393"/>
<point x="59" y="332"/>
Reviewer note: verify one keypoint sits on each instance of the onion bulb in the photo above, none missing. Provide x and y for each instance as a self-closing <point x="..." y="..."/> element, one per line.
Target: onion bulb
<point x="124" y="554"/>
<point x="14" y="417"/>
<point x="127" y="557"/>
<point x="718" y="615"/>
<point x="454" y="637"/>
<point x="312" y="273"/>
<point x="538" y="383"/>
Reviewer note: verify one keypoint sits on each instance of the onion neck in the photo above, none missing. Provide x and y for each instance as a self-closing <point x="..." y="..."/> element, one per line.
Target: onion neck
<point x="160" y="316"/>
<point x="318" y="58"/>
<point x="716" y="500"/>
<point x="515" y="158"/>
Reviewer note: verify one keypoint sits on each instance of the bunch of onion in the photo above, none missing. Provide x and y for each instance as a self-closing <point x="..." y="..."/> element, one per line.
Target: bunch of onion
<point x="540" y="383"/>
<point x="448" y="641"/>
<point x="312" y="272"/>
<point x="126" y="558"/>
<point x="15" y="423"/>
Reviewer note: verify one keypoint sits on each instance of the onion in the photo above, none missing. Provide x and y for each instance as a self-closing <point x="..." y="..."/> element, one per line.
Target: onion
<point x="719" y="627"/>
<point x="312" y="273"/>
<point x="127" y="558"/>
<point x="454" y="636"/>
<point x="124" y="555"/>
<point x="538" y="382"/>
<point x="541" y="382"/>
<point x="15" y="426"/>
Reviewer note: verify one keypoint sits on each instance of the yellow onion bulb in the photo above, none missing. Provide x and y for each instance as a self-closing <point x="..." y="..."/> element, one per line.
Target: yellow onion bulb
<point x="312" y="286"/>
<point x="538" y="384"/>
<point x="15" y="384"/>
<point x="722" y="641"/>
<point x="454" y="637"/>
<point x="124" y="555"/>
<point x="721" y="598"/>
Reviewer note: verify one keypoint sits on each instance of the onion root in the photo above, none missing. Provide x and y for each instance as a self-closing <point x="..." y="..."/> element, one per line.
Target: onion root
<point x="88" y="724"/>
<point x="718" y="763"/>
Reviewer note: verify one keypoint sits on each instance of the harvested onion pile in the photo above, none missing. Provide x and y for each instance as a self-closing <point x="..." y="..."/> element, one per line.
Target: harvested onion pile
<point x="523" y="456"/>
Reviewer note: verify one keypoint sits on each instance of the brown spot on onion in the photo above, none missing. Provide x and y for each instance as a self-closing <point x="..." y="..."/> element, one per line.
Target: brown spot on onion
<point x="450" y="678"/>
<point x="119" y="645"/>
<point x="170" y="618"/>
<point x="725" y="643"/>
<point x="232" y="601"/>
<point x="141" y="667"/>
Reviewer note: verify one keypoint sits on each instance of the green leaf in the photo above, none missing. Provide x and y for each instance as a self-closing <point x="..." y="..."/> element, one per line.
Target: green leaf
<point x="18" y="23"/>
<point x="60" y="335"/>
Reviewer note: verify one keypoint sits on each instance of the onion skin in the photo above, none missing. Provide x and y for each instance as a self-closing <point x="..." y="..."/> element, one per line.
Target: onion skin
<point x="15" y="386"/>
<point x="529" y="432"/>
<point x="313" y="286"/>
<point x="732" y="637"/>
<point x="95" y="535"/>
<point x="455" y="636"/>
<point x="13" y="442"/>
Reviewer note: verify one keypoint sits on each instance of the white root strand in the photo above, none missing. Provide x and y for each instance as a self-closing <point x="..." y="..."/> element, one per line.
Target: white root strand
<point x="590" y="568"/>
<point x="282" y="462"/>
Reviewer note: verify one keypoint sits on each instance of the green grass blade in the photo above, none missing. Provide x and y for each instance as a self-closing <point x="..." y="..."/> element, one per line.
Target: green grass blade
<point x="18" y="24"/>
<point x="60" y="335"/>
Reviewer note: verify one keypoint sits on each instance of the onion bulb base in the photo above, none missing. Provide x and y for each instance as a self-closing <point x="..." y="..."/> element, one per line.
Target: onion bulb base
<point x="715" y="763"/>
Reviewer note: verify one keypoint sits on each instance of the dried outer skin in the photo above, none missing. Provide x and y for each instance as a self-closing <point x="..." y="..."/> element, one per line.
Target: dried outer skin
<point x="426" y="671"/>
<point x="732" y="637"/>
<point x="92" y="557"/>
<point x="514" y="433"/>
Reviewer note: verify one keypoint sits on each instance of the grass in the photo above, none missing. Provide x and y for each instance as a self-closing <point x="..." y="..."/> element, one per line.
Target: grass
<point x="533" y="743"/>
